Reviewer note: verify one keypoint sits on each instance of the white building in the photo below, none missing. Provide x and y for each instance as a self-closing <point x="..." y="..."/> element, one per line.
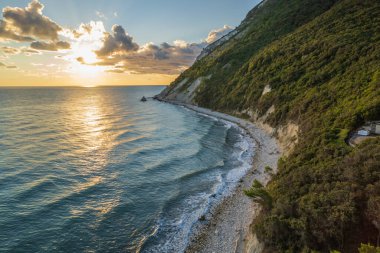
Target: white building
<point x="363" y="133"/>
<point x="375" y="127"/>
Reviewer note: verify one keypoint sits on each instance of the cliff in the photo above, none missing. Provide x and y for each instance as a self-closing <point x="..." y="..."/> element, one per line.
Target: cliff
<point x="309" y="73"/>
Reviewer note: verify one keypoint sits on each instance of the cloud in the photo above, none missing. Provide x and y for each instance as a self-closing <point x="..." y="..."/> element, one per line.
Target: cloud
<point x="101" y="15"/>
<point x="14" y="51"/>
<point x="28" y="24"/>
<point x="29" y="51"/>
<point x="50" y="46"/>
<point x="214" y="35"/>
<point x="118" y="42"/>
<point x="10" y="50"/>
<point x="91" y="32"/>
<point x="83" y="29"/>
<point x="151" y="58"/>
<point x="121" y="54"/>
<point x="7" y="34"/>
<point x="2" y="65"/>
<point x="117" y="71"/>
<point x="90" y="44"/>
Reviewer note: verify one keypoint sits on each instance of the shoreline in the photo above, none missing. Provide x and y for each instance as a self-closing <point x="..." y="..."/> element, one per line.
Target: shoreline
<point x="228" y="227"/>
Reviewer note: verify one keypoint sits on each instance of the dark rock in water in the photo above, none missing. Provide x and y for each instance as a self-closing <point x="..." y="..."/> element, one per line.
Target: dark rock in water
<point x="143" y="99"/>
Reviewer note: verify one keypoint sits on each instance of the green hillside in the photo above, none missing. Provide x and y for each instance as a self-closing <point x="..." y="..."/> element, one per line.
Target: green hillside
<point x="321" y="60"/>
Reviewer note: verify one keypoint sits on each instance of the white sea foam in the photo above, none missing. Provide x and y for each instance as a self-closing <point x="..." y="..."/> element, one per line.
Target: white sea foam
<point x="183" y="227"/>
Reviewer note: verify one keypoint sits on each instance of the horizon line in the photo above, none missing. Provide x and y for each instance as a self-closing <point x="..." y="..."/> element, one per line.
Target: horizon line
<point x="79" y="86"/>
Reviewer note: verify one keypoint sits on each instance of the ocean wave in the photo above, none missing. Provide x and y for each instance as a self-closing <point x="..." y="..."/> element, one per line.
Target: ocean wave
<point x="104" y="172"/>
<point x="178" y="230"/>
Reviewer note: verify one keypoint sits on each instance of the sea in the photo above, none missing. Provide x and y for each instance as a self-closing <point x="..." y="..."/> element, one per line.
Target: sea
<point x="96" y="170"/>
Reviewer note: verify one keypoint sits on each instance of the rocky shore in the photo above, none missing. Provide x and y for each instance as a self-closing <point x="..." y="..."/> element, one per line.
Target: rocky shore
<point x="228" y="227"/>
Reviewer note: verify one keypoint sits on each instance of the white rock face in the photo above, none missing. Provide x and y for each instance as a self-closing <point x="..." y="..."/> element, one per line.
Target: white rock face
<point x="184" y="81"/>
<point x="287" y="135"/>
<point x="267" y="89"/>
<point x="181" y="94"/>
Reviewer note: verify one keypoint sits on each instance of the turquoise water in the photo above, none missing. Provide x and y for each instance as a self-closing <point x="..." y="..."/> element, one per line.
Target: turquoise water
<point x="95" y="170"/>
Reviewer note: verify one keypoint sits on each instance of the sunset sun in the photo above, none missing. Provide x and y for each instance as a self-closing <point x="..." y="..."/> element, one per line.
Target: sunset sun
<point x="228" y="126"/>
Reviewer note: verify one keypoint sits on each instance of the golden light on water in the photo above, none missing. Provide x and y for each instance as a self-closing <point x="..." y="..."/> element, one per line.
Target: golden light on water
<point x="92" y="123"/>
<point x="88" y="117"/>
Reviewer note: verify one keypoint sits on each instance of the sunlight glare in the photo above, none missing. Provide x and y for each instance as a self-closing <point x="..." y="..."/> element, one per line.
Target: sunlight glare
<point x="83" y="58"/>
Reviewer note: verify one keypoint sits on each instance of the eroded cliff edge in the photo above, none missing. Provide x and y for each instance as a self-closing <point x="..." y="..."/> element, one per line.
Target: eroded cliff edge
<point x="308" y="72"/>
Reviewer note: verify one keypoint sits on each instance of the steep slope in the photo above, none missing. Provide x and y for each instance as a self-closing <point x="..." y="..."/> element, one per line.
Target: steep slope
<point x="266" y="23"/>
<point x="312" y="66"/>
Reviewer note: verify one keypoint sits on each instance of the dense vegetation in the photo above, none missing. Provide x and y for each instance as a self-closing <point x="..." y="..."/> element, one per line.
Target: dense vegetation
<point x="322" y="61"/>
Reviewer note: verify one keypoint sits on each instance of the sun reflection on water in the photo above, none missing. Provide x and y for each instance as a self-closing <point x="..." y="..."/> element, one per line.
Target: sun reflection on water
<point x="94" y="139"/>
<point x="88" y="124"/>
<point x="93" y="126"/>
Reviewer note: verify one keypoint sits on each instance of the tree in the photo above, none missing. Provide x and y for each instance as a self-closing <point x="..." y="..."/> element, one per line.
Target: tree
<point x="259" y="195"/>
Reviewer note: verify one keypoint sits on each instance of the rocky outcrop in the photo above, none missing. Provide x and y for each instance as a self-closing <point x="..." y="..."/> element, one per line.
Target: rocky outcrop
<point x="286" y="135"/>
<point x="183" y="92"/>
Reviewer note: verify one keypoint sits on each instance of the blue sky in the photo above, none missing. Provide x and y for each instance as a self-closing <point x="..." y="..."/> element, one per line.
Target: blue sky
<point x="149" y="20"/>
<point x="109" y="42"/>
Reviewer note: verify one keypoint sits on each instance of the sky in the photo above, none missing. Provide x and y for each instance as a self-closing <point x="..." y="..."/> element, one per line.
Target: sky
<point x="108" y="42"/>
